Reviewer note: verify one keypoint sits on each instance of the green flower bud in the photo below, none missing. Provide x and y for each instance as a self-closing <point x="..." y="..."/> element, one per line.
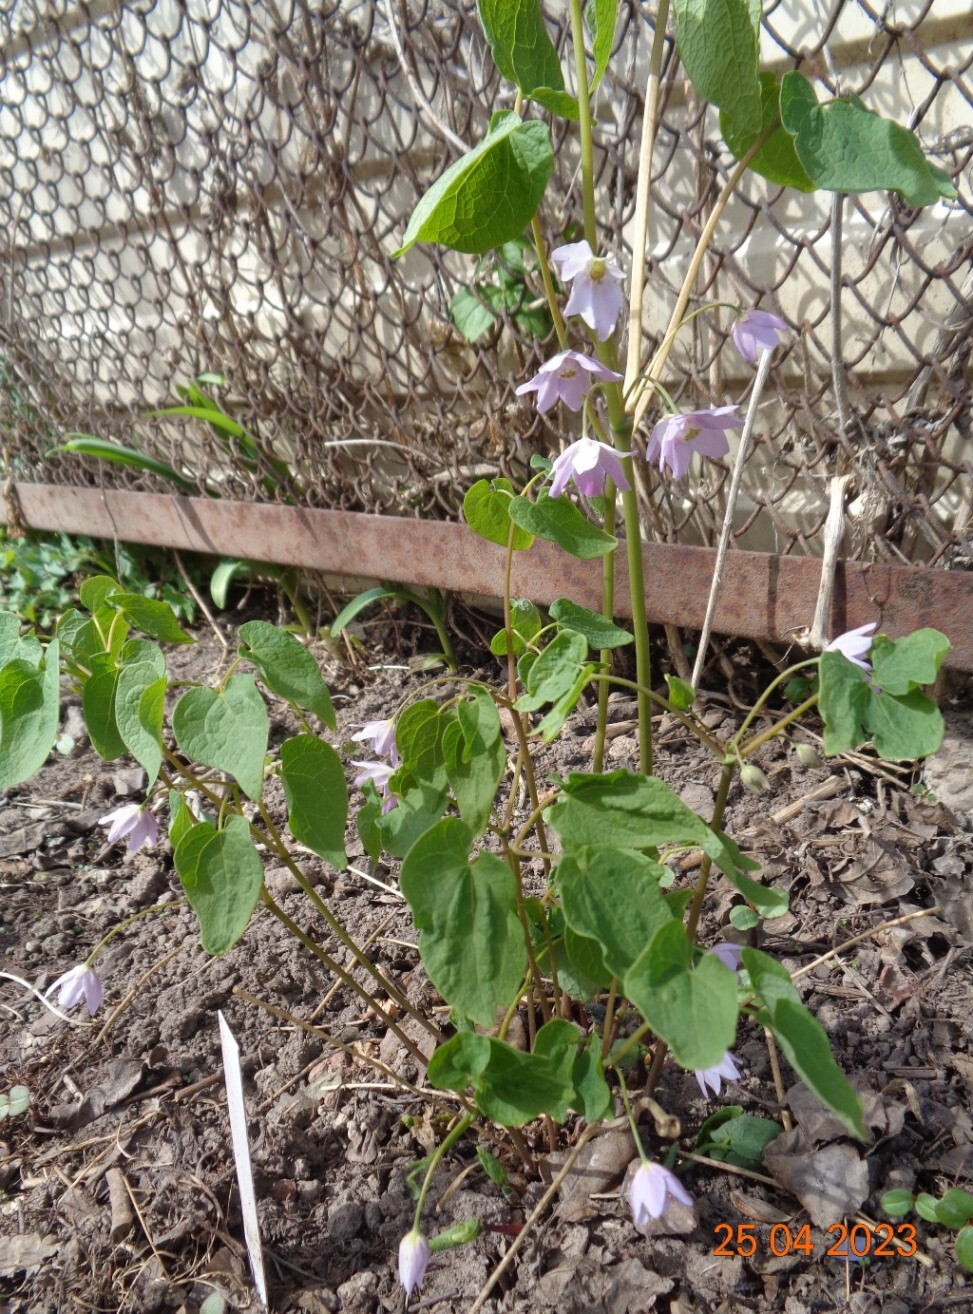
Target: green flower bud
<point x="460" y="1234"/>
<point x="754" y="779"/>
<point x="808" y="755"/>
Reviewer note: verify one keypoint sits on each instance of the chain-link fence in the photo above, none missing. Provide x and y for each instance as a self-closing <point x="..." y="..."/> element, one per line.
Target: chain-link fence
<point x="215" y="186"/>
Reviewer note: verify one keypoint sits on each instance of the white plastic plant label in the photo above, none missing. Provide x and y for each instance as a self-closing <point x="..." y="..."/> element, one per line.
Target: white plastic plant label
<point x="241" y="1155"/>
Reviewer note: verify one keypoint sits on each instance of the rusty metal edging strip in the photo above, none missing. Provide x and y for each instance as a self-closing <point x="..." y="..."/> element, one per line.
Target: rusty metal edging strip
<point x="763" y="596"/>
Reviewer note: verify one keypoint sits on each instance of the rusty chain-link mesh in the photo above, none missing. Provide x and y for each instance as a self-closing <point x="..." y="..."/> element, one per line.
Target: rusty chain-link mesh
<point x="192" y="186"/>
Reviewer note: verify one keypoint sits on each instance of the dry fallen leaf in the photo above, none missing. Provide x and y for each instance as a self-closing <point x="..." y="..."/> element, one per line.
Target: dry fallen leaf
<point x="830" y="1183"/>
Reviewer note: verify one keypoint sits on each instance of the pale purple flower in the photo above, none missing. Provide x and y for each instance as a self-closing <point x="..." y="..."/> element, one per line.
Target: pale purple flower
<point x="379" y="773"/>
<point x="413" y="1260"/>
<point x="596" y="294"/>
<point x="652" y="1188"/>
<point x="675" y="438"/>
<point x="711" y="1079"/>
<point x="855" y="644"/>
<point x="380" y="735"/>
<point x="80" y="983"/>
<point x="567" y="377"/>
<point x="137" y="822"/>
<point x="756" y="331"/>
<point x="588" y="463"/>
<point x="730" y="955"/>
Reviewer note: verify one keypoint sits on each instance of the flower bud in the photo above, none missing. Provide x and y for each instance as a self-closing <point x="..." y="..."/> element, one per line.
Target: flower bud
<point x="808" y="755"/>
<point x="460" y="1234"/>
<point x="754" y="779"/>
<point x="413" y="1260"/>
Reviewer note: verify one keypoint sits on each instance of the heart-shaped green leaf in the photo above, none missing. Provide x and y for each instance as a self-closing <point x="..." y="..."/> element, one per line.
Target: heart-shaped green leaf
<point x="287" y="668"/>
<point x="317" y="796"/>
<point x="227" y="730"/>
<point x="222" y="875"/>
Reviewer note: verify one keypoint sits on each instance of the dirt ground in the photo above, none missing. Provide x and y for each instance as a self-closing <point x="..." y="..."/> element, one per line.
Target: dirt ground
<point x="118" y="1190"/>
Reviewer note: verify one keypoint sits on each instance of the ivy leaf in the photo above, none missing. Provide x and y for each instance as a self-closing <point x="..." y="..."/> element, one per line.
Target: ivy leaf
<point x="471" y="317"/>
<point x="470" y="938"/>
<point x="559" y="521"/>
<point x="909" y="662"/>
<point x="486" y="508"/>
<point x="902" y="727"/>
<point x="287" y="668"/>
<point x="802" y="1039"/>
<point x="844" y="147"/>
<point x="511" y="1087"/>
<point x="490" y="194"/>
<point x="719" y="48"/>
<point x="139" y="705"/>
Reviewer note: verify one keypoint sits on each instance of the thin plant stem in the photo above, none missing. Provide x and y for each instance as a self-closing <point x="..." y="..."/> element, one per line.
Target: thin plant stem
<point x="336" y="927"/>
<point x="451" y="1138"/>
<point x="715" y="747"/>
<point x="623" y="1088"/>
<point x="702" y="880"/>
<point x="752" y="745"/>
<point x="541" y="248"/>
<point x="763" y="369"/>
<point x="658" y="363"/>
<point x="608" y="611"/>
<point x="145" y="912"/>
<point x="345" y="977"/>
<point x="584" y="126"/>
<point x="755" y="710"/>
<point x="637" y="1036"/>
<point x="514" y="863"/>
<point x="606" y="1034"/>
<point x="536" y="813"/>
<point x="643" y="194"/>
<point x="508" y="627"/>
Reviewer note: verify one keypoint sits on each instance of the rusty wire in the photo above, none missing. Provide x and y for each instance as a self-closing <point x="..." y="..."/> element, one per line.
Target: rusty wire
<point x="217" y="185"/>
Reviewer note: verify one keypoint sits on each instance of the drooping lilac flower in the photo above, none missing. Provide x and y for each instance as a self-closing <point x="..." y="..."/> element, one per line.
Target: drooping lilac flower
<point x="711" y="1079"/>
<point x="82" y="982"/>
<point x="567" y="377"/>
<point x="413" y="1260"/>
<point x="730" y="955"/>
<point x="855" y="644"/>
<point x="380" y="735"/>
<point x="675" y="438"/>
<point x="652" y="1188"/>
<point x="588" y="463"/>
<point x="756" y="331"/>
<point x="596" y="294"/>
<point x="379" y="773"/>
<point x="137" y="822"/>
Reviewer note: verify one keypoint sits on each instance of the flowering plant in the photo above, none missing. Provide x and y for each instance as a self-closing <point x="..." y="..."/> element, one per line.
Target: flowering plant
<point x="561" y="914"/>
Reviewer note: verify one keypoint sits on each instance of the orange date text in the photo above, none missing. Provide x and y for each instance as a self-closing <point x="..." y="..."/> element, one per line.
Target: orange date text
<point x="854" y="1241"/>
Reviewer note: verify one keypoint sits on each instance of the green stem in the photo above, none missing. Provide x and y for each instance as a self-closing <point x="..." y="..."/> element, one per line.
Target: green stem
<point x="344" y="977"/>
<point x="752" y="745"/>
<point x="634" y="1039"/>
<point x="338" y="930"/>
<point x="435" y="610"/>
<point x="702" y="880"/>
<point x="777" y="680"/>
<point x="715" y="747"/>
<point x="584" y="124"/>
<point x="548" y="281"/>
<point x="116" y="930"/>
<point x="631" y="1117"/>
<point x="608" y="611"/>
<point x="463" y="1125"/>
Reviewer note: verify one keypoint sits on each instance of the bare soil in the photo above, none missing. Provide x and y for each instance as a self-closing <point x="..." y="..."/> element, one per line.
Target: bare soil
<point x="118" y="1190"/>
